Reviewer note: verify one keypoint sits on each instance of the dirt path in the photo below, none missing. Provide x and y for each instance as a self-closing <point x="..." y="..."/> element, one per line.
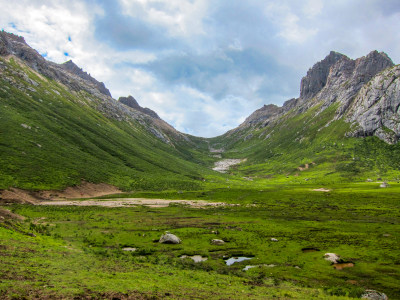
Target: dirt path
<point x="126" y="202"/>
<point x="223" y="165"/>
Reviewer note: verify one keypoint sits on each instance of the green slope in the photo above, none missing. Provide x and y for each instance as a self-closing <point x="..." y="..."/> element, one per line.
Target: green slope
<point x="51" y="138"/>
<point x="309" y="145"/>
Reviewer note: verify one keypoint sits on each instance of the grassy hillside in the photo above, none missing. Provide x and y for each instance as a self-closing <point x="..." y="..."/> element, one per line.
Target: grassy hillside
<point x="51" y="138"/>
<point x="310" y="145"/>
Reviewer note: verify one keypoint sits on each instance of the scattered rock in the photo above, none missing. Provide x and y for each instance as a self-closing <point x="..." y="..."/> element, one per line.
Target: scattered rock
<point x="169" y="238"/>
<point x="274" y="239"/>
<point x="217" y="242"/>
<point x="129" y="249"/>
<point x="374" y="295"/>
<point x="384" y="185"/>
<point x="332" y="257"/>
<point x="195" y="258"/>
<point x="26" y="126"/>
<point x="248" y="267"/>
<point x="321" y="190"/>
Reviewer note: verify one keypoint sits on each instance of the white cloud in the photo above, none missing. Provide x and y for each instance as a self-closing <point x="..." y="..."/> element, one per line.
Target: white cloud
<point x="288" y="23"/>
<point x="218" y="61"/>
<point x="181" y="17"/>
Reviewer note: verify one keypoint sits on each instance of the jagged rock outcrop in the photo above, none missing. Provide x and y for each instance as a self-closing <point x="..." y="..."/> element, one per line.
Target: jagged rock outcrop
<point x="317" y="76"/>
<point x="376" y="109"/>
<point x="265" y="113"/>
<point x="11" y="44"/>
<point x="346" y="78"/>
<point x="132" y="103"/>
<point x="71" y="67"/>
<point x="366" y="91"/>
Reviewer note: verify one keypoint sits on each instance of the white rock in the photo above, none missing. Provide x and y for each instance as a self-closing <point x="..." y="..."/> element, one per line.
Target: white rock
<point x="274" y="239"/>
<point x="169" y="238"/>
<point x="332" y="257"/>
<point x="217" y="242"/>
<point x="374" y="295"/>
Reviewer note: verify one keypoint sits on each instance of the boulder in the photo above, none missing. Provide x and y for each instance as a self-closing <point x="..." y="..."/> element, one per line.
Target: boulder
<point x="384" y="185"/>
<point x="169" y="238"/>
<point x="332" y="257"/>
<point x="274" y="239"/>
<point x="217" y="242"/>
<point x="374" y="295"/>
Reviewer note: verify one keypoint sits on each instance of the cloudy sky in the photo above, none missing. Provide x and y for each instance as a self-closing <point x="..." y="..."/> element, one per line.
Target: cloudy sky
<point x="203" y="65"/>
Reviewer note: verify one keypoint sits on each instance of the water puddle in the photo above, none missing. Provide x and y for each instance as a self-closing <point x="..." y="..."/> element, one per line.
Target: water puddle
<point x="341" y="266"/>
<point x="195" y="258"/>
<point x="232" y="260"/>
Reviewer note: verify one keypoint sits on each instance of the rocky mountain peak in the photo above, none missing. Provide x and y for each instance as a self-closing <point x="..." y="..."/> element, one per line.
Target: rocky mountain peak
<point x="71" y="67"/>
<point x="129" y="101"/>
<point x="317" y="76"/>
<point x="132" y="103"/>
<point x="11" y="44"/>
<point x="368" y="66"/>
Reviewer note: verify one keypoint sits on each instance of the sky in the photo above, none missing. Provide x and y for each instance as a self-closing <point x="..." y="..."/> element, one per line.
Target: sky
<point x="203" y="65"/>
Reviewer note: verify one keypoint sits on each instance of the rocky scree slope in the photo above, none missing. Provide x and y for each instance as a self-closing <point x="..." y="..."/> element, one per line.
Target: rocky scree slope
<point x="363" y="92"/>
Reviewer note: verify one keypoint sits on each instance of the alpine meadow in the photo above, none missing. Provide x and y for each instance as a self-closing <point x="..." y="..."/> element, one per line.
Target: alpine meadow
<point x="100" y="198"/>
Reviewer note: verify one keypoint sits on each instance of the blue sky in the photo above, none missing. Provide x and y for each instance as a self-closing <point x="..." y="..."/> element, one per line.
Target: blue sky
<point x="203" y="65"/>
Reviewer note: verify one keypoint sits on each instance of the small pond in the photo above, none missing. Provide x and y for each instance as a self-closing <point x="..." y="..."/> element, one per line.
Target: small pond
<point x="232" y="260"/>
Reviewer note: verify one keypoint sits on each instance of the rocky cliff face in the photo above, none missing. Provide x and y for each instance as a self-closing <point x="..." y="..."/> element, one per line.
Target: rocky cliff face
<point x="71" y="67"/>
<point x="317" y="76"/>
<point x="132" y="103"/>
<point x="376" y="108"/>
<point x="364" y="95"/>
<point x="75" y="79"/>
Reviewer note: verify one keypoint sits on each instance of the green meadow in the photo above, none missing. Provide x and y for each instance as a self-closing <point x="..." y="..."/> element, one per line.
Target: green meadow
<point x="78" y="251"/>
<point x="305" y="189"/>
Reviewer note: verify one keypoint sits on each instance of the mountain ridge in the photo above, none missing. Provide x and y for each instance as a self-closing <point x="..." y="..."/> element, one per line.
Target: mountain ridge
<point x="339" y="79"/>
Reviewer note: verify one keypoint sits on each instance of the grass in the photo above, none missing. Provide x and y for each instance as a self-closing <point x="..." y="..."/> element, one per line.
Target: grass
<point x="52" y="138"/>
<point x="80" y="248"/>
<point x="69" y="139"/>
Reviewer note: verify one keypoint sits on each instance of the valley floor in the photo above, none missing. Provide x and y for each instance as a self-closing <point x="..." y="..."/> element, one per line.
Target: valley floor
<point x="66" y="252"/>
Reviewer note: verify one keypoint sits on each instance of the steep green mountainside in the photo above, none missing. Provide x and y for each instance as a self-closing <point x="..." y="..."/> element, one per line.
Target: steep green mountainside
<point x="345" y="129"/>
<point x="53" y="135"/>
<point x="60" y="126"/>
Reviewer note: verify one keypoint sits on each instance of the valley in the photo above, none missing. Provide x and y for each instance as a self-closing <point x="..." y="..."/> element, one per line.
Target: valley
<point x="303" y="199"/>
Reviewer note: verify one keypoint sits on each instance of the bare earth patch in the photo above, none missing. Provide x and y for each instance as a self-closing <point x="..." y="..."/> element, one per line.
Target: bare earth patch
<point x="321" y="190"/>
<point x="126" y="202"/>
<point x="84" y="190"/>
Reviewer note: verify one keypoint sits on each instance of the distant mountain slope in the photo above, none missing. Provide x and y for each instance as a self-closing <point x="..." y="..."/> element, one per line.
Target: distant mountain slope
<point x="60" y="126"/>
<point x="340" y="98"/>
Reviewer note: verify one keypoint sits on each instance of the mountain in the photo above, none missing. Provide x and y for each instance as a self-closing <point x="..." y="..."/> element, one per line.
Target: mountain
<point x="60" y="126"/>
<point x="340" y="100"/>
